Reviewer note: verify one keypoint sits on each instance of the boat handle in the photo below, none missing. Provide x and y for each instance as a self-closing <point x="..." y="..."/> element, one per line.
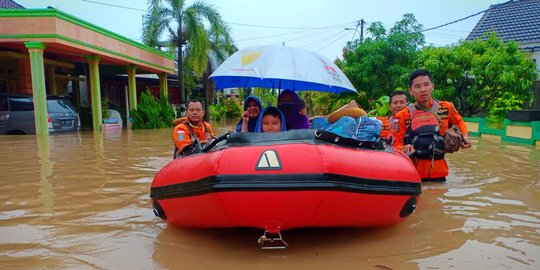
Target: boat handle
<point x="272" y="241"/>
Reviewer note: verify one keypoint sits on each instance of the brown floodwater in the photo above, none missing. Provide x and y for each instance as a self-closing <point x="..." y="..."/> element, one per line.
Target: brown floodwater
<point x="81" y="201"/>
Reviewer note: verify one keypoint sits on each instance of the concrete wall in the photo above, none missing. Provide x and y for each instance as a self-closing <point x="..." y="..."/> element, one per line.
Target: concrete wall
<point x="512" y="131"/>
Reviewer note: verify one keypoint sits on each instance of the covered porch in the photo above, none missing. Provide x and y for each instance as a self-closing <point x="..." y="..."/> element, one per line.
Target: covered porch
<point x="49" y="52"/>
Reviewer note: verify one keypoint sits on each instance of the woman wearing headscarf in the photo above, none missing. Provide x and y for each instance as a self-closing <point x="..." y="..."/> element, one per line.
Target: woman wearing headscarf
<point x="252" y="109"/>
<point x="288" y="103"/>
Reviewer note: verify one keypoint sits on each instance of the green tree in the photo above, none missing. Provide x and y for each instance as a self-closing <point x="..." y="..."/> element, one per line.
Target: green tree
<point x="266" y="96"/>
<point x="480" y="76"/>
<point x="221" y="47"/>
<point x="191" y="39"/>
<point x="379" y="64"/>
<point x="325" y="103"/>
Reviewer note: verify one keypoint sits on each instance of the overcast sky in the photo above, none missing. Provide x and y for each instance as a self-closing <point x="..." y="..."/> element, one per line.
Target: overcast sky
<point x="317" y="25"/>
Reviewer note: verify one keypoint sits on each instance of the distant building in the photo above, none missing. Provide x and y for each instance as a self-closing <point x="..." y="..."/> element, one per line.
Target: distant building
<point x="517" y="20"/>
<point x="49" y="52"/>
<point x="230" y="92"/>
<point x="8" y="4"/>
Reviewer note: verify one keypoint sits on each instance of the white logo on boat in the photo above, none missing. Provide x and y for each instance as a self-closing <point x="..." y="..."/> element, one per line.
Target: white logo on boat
<point x="269" y="160"/>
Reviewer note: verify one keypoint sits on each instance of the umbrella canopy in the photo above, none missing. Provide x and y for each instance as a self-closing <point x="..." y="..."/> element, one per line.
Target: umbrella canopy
<point x="281" y="67"/>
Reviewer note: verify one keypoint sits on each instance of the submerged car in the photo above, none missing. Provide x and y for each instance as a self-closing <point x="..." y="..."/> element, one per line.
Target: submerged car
<point x="17" y="114"/>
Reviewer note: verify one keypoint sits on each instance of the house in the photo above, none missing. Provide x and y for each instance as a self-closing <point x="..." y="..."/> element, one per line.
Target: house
<point x="8" y="4"/>
<point x="50" y="52"/>
<point x="517" y="20"/>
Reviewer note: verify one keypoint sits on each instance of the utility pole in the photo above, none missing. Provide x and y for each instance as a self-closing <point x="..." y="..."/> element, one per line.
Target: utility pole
<point x="362" y="22"/>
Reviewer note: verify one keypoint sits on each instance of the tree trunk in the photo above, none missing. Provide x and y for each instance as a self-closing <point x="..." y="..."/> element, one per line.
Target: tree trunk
<point x="212" y="95"/>
<point x="179" y="43"/>
<point x="206" y="97"/>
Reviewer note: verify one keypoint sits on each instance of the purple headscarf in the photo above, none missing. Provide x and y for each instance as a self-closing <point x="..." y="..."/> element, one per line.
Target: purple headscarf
<point x="294" y="119"/>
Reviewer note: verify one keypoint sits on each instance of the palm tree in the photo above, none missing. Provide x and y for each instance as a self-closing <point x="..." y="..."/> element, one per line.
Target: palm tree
<point x="186" y="28"/>
<point x="216" y="55"/>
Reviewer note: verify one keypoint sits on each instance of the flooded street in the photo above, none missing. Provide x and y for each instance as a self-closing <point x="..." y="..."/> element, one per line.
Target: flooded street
<point x="81" y="201"/>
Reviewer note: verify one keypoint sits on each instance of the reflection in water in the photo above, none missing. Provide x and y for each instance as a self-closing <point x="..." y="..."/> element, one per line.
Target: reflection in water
<point x="80" y="201"/>
<point x="46" y="194"/>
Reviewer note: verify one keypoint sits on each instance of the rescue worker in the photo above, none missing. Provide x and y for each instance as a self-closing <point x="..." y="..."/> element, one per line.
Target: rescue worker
<point x="195" y="128"/>
<point x="398" y="101"/>
<point x="430" y="165"/>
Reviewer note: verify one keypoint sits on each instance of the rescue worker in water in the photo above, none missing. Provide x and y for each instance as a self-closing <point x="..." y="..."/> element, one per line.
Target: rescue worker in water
<point x="398" y="101"/>
<point x="431" y="166"/>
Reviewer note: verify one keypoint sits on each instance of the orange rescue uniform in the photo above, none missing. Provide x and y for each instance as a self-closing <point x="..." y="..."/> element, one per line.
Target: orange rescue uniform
<point x="385" y="131"/>
<point x="182" y="134"/>
<point x="448" y="115"/>
<point x="388" y="126"/>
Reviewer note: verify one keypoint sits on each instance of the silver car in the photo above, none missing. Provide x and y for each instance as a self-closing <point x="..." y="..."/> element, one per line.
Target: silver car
<point x="17" y="114"/>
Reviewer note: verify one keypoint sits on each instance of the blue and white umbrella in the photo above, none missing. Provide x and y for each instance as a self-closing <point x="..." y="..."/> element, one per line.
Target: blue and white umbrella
<point x="280" y="67"/>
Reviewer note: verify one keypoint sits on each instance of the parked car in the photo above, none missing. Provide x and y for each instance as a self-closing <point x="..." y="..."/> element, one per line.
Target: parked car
<point x="17" y="114"/>
<point x="115" y="118"/>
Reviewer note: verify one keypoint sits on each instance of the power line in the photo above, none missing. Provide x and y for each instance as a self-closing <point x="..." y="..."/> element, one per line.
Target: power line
<point x="111" y="5"/>
<point x="233" y="23"/>
<point x="454" y="30"/>
<point x="462" y="19"/>
<point x="304" y="28"/>
<point x="321" y="40"/>
<point x="285" y="27"/>
<point x="332" y="42"/>
<point x="313" y="45"/>
<point x="286" y="34"/>
<point x="314" y="34"/>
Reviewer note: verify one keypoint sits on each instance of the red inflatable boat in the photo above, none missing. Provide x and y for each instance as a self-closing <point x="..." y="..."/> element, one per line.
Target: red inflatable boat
<point x="279" y="181"/>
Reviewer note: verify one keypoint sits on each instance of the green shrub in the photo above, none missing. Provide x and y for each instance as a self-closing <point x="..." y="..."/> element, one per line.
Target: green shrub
<point x="152" y="113"/>
<point x="217" y="112"/>
<point x="323" y="103"/>
<point x="233" y="108"/>
<point x="380" y="107"/>
<point x="499" y="108"/>
<point x="105" y="104"/>
<point x="494" y="123"/>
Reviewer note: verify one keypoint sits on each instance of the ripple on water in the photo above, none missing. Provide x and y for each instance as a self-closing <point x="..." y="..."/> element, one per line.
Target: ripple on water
<point x="144" y="180"/>
<point x="86" y="201"/>
<point x="501" y="201"/>
<point x="522" y="220"/>
<point x="5" y="215"/>
<point x="121" y="217"/>
<point x="24" y="234"/>
<point x="152" y="164"/>
<point x="473" y="254"/>
<point x="461" y="192"/>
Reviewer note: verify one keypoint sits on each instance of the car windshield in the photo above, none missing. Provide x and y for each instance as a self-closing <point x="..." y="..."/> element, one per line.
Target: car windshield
<point x="59" y="106"/>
